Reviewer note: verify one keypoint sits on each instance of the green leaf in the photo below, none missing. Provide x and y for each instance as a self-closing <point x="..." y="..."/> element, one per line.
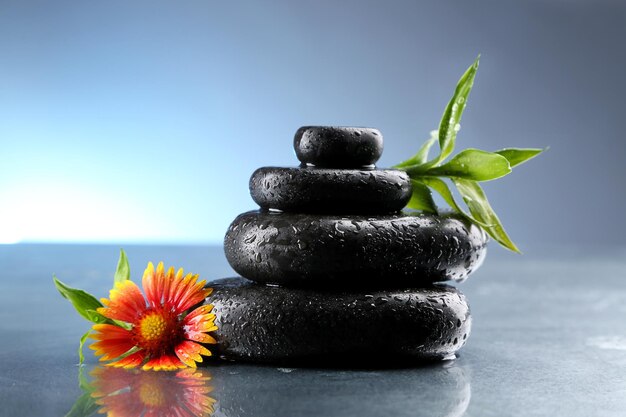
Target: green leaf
<point x="422" y="155"/>
<point x="480" y="208"/>
<point x="123" y="269"/>
<point x="451" y="119"/>
<point x="81" y="357"/>
<point x="442" y="188"/>
<point x="422" y="198"/>
<point x="85" y="303"/>
<point x="97" y="318"/>
<point x="517" y="156"/>
<point x="474" y="164"/>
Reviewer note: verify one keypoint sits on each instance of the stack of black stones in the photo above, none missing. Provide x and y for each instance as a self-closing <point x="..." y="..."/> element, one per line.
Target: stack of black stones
<point x="332" y="268"/>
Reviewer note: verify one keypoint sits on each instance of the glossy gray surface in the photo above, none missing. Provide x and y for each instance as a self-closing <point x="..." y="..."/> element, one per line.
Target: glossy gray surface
<point x="549" y="338"/>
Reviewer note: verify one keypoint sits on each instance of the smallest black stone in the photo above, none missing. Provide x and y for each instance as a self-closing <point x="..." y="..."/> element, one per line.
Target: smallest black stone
<point x="338" y="147"/>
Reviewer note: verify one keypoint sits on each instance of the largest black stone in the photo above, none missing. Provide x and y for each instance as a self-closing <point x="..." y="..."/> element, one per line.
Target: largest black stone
<point x="260" y="323"/>
<point x="358" y="251"/>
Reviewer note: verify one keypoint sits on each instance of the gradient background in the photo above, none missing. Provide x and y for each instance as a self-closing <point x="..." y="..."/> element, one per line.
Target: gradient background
<point x="142" y="121"/>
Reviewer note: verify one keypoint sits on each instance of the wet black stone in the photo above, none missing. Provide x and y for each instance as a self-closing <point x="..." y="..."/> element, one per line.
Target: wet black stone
<point x="328" y="190"/>
<point x="338" y="147"/>
<point x="324" y="251"/>
<point x="261" y="323"/>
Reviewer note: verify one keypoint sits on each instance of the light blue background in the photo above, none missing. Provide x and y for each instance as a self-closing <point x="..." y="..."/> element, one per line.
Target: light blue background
<point x="142" y="121"/>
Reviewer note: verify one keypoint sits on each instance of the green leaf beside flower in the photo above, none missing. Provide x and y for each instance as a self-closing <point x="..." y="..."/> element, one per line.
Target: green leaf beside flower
<point x="84" y="303"/>
<point x="122" y="273"/>
<point x="83" y="338"/>
<point x="87" y="305"/>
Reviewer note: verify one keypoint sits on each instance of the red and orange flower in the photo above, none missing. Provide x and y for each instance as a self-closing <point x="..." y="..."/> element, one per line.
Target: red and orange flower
<point x="160" y="331"/>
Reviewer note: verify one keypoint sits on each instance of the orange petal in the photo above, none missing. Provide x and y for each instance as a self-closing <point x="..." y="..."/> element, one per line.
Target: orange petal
<point x="198" y="312"/>
<point x="200" y="337"/>
<point x="195" y="322"/>
<point x="126" y="302"/>
<point x="113" y="341"/>
<point x="130" y="361"/>
<point x="194" y="293"/>
<point x="109" y="331"/>
<point x="168" y="282"/>
<point x="181" y="287"/>
<point x="154" y="284"/>
<point x="112" y="348"/>
<point x="147" y="282"/>
<point x="189" y="351"/>
<point x="207" y="326"/>
<point x="196" y="326"/>
<point x="163" y="363"/>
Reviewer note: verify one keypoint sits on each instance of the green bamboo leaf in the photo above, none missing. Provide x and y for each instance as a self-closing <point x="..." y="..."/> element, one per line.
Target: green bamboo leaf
<point x="422" y="198"/>
<point x="517" y="156"/>
<point x="442" y="188"/>
<point x="474" y="164"/>
<point x="480" y="208"/>
<point x="84" y="303"/>
<point x="451" y="119"/>
<point x="422" y="155"/>
<point x="122" y="273"/>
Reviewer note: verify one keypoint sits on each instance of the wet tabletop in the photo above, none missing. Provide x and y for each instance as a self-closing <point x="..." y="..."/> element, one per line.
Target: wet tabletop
<point x="549" y="338"/>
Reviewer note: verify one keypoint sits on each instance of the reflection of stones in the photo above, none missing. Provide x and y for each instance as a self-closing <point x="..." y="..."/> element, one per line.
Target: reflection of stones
<point x="324" y="190"/>
<point x="329" y="250"/>
<point x="340" y="147"/>
<point x="274" y="324"/>
<point x="439" y="390"/>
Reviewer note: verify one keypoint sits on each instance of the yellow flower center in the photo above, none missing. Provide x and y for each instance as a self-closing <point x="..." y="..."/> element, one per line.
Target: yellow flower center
<point x="153" y="326"/>
<point x="151" y="394"/>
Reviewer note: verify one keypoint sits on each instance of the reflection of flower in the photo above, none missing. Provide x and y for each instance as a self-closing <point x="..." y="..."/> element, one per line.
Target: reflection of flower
<point x="157" y="331"/>
<point x="133" y="393"/>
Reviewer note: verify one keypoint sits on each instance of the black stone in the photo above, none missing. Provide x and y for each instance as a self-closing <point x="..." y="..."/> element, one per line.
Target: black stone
<point x="338" y="147"/>
<point x="328" y="190"/>
<point x="261" y="323"/>
<point x="334" y="251"/>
